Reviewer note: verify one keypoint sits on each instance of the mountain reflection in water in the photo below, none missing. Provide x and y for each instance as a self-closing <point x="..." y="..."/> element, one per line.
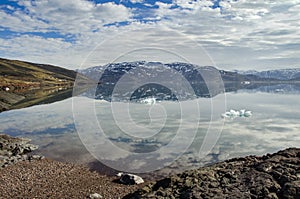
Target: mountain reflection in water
<point x="273" y="126"/>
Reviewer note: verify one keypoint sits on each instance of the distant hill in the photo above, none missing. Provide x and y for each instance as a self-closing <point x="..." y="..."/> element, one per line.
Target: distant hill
<point x="14" y="73"/>
<point x="279" y="74"/>
<point x="24" y="84"/>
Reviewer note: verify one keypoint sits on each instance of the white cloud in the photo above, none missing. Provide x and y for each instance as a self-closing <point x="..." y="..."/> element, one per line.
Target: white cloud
<point x="136" y="1"/>
<point x="240" y="28"/>
<point x="257" y="34"/>
<point x="190" y="4"/>
<point x="20" y="22"/>
<point x="36" y="49"/>
<point x="65" y="17"/>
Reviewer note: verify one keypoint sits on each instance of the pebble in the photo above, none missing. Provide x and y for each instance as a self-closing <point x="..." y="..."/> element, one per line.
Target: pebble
<point x="95" y="196"/>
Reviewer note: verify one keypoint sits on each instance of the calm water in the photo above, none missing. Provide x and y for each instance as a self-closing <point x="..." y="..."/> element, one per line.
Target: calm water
<point x="144" y="137"/>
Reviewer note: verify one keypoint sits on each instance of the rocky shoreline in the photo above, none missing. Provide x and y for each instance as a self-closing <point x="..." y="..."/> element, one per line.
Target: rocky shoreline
<point x="32" y="176"/>
<point x="13" y="150"/>
<point x="271" y="176"/>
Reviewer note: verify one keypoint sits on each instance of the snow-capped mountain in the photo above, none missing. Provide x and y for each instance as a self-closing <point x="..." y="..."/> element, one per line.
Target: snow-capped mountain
<point x="165" y="81"/>
<point x="280" y="74"/>
<point x="136" y="81"/>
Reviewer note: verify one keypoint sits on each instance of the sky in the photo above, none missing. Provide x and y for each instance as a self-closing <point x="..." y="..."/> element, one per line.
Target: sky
<point x="230" y="34"/>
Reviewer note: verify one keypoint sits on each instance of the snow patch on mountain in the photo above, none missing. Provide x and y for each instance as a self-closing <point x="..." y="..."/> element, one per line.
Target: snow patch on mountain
<point x="280" y="74"/>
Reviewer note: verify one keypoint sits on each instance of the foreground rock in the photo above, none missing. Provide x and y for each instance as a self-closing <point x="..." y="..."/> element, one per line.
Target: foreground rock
<point x="129" y="179"/>
<point x="270" y="176"/>
<point x="13" y="150"/>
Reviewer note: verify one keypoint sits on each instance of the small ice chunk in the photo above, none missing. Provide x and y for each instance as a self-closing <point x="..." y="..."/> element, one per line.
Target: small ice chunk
<point x="242" y="112"/>
<point x="247" y="114"/>
<point x="149" y="101"/>
<point x="234" y="114"/>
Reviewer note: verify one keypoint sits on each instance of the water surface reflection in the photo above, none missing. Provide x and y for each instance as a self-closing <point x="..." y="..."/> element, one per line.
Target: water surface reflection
<point x="273" y="126"/>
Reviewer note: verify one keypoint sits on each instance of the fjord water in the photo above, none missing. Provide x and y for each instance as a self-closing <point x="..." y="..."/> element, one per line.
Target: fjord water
<point x="274" y="125"/>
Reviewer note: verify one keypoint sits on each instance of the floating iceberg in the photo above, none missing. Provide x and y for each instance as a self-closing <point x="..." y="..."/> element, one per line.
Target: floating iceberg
<point x="149" y="101"/>
<point x="233" y="114"/>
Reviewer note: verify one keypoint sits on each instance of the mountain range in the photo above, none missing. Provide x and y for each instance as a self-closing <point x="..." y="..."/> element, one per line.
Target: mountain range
<point x="25" y="84"/>
<point x="280" y="74"/>
<point x="235" y="75"/>
<point x="137" y="73"/>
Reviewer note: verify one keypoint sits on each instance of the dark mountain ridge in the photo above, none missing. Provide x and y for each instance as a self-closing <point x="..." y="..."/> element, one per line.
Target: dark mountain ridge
<point x="279" y="74"/>
<point x="200" y="78"/>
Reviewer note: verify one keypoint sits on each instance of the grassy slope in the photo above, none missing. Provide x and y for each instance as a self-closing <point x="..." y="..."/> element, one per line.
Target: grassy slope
<point x="31" y="83"/>
<point x="13" y="72"/>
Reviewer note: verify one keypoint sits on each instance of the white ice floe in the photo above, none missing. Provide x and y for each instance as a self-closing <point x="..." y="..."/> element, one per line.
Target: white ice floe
<point x="248" y="114"/>
<point x="149" y="101"/>
<point x="233" y="114"/>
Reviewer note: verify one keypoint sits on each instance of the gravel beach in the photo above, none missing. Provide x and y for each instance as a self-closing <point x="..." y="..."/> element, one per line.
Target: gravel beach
<point x="52" y="179"/>
<point x="23" y="175"/>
